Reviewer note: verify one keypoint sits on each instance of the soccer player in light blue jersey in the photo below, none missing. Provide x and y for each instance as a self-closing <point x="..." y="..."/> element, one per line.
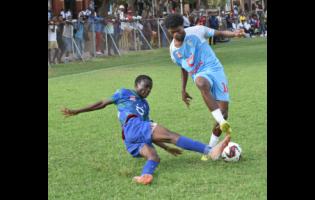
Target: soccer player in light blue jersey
<point x="140" y="133"/>
<point x="190" y="50"/>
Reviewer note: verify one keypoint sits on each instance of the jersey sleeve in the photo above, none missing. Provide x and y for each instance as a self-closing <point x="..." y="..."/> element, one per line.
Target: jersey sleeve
<point x="117" y="96"/>
<point x="173" y="58"/>
<point x="209" y="32"/>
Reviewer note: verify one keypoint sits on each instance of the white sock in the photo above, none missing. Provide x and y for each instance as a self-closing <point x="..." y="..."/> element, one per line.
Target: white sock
<point x="217" y="114"/>
<point x="213" y="140"/>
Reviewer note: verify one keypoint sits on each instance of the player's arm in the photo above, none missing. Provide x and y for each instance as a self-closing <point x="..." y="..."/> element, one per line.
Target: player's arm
<point x="171" y="150"/>
<point x="236" y="33"/>
<point x="96" y="106"/>
<point x="185" y="96"/>
<point x="209" y="32"/>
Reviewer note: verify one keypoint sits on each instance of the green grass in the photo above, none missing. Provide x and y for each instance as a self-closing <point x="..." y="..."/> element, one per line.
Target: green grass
<point x="87" y="159"/>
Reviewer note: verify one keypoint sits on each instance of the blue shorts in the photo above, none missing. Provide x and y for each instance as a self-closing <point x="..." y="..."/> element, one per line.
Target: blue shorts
<point x="218" y="82"/>
<point x="137" y="133"/>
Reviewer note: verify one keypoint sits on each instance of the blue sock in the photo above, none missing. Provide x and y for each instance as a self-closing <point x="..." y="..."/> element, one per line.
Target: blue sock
<point x="149" y="167"/>
<point x="189" y="144"/>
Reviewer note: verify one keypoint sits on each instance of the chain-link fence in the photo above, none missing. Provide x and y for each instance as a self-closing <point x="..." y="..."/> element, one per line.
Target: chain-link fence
<point x="87" y="38"/>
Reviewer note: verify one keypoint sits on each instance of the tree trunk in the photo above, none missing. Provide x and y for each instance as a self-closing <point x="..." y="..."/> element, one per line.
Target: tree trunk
<point x="131" y="5"/>
<point x="205" y="3"/>
<point x="103" y="10"/>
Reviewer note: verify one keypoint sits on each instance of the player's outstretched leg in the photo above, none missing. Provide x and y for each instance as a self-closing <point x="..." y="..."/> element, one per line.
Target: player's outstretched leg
<point x="153" y="160"/>
<point x="162" y="134"/>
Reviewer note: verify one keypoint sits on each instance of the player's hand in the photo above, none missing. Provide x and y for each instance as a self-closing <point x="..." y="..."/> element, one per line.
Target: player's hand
<point x="67" y="112"/>
<point x="239" y="33"/>
<point x="225" y="127"/>
<point x="174" y="151"/>
<point x="186" y="98"/>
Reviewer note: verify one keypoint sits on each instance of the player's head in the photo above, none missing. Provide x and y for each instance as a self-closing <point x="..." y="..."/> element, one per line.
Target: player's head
<point x="175" y="25"/>
<point x="143" y="85"/>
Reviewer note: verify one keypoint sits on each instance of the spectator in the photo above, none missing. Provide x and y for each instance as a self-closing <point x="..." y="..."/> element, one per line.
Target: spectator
<point x="52" y="40"/>
<point x="191" y="19"/>
<point x="117" y="32"/>
<point x="91" y="6"/>
<point x="63" y="14"/>
<point x="214" y="24"/>
<point x="87" y="12"/>
<point x="109" y="31"/>
<point x="79" y="36"/>
<point x="130" y="30"/>
<point x="60" y="24"/>
<point x="201" y="20"/>
<point x="254" y="22"/>
<point x="229" y="22"/>
<point x="186" y="21"/>
<point x="68" y="14"/>
<point x="121" y="12"/>
<point x="242" y="17"/>
<point x="147" y="31"/>
<point x="99" y="29"/>
<point x="259" y="10"/>
<point x="67" y="37"/>
<point x="88" y="36"/>
<point x="81" y="14"/>
<point x="262" y="25"/>
<point x="154" y="27"/>
<point x="246" y="27"/>
<point x="49" y="15"/>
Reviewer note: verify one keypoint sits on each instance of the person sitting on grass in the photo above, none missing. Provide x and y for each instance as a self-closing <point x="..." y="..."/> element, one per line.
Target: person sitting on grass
<point x="139" y="133"/>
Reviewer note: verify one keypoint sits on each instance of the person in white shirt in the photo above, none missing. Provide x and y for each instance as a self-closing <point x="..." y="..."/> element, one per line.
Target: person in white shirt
<point x="186" y="21"/>
<point x="63" y="14"/>
<point x="68" y="14"/>
<point x="87" y="12"/>
<point x="52" y="41"/>
<point x="246" y="27"/>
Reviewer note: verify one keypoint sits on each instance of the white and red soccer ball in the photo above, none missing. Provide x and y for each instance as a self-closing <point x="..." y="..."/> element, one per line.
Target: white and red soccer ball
<point x="232" y="152"/>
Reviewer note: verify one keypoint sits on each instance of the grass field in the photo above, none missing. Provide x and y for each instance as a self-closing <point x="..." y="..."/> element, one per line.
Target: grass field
<point x="86" y="156"/>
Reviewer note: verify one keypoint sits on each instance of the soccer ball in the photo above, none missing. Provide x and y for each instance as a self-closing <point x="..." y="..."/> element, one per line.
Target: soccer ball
<point x="232" y="152"/>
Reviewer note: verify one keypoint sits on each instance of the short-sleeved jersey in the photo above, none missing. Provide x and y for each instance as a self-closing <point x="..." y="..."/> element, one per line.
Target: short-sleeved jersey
<point x="195" y="54"/>
<point x="129" y="102"/>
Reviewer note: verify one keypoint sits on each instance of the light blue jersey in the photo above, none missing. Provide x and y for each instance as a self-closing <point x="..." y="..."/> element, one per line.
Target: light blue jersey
<point x="198" y="59"/>
<point x="195" y="54"/>
<point x="129" y="102"/>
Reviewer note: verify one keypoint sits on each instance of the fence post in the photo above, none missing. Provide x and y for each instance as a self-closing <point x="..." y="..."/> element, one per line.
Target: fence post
<point x="158" y="33"/>
<point x="135" y="38"/>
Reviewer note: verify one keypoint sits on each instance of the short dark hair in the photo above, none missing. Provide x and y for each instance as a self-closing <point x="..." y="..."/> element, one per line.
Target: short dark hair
<point x="143" y="78"/>
<point x="174" y="21"/>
